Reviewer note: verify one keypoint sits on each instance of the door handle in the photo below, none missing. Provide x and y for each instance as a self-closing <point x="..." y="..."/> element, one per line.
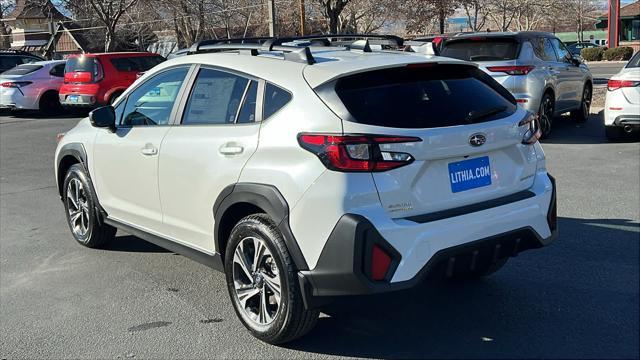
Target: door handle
<point x="149" y="150"/>
<point x="231" y="149"/>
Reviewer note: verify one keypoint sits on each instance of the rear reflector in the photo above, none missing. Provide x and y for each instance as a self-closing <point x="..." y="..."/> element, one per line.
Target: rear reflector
<point x="380" y="263"/>
<point x="522" y="100"/>
<point x="618" y="84"/>
<point x="512" y="70"/>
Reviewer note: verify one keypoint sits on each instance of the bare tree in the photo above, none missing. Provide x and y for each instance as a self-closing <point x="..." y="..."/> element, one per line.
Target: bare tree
<point x="502" y="13"/>
<point x="5" y="41"/>
<point x="582" y="13"/>
<point x="106" y="12"/>
<point x="476" y="11"/>
<point x="332" y="9"/>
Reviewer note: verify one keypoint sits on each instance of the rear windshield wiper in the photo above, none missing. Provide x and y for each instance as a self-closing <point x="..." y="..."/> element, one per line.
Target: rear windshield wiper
<point x="476" y="115"/>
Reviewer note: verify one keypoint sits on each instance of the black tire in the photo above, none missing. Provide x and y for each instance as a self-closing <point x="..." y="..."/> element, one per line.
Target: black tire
<point x="83" y="202"/>
<point x="582" y="114"/>
<point x="49" y="103"/>
<point x="613" y="133"/>
<point x="482" y="272"/>
<point x="291" y="320"/>
<point x="114" y="96"/>
<point x="545" y="113"/>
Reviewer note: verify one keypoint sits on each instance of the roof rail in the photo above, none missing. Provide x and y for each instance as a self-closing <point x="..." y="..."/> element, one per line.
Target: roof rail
<point x="291" y="53"/>
<point x="299" y="52"/>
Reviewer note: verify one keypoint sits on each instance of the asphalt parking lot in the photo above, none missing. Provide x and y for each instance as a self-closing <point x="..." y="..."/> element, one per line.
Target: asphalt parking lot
<point x="577" y="298"/>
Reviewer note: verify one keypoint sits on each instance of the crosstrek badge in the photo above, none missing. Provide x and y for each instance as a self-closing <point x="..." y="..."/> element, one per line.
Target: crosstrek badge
<point x="469" y="174"/>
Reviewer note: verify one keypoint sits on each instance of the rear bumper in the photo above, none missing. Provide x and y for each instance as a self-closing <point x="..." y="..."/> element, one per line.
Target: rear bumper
<point x="13" y="99"/>
<point x="82" y="100"/>
<point x="342" y="268"/>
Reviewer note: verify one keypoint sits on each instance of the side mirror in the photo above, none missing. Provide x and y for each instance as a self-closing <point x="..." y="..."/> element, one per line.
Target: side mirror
<point x="574" y="59"/>
<point x="103" y="117"/>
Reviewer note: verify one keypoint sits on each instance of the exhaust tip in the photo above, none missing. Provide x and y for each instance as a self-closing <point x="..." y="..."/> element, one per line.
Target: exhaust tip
<point x="627" y="128"/>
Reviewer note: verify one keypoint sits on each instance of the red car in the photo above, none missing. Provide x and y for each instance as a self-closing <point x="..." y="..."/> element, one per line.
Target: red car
<point x="92" y="80"/>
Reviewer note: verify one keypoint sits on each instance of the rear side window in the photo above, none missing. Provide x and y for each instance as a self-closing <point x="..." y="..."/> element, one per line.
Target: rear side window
<point x="274" y="99"/>
<point x="23" y="69"/>
<point x="635" y="61"/>
<point x="481" y="49"/>
<point x="136" y="63"/>
<point x="215" y="98"/>
<point x="57" y="70"/>
<point x="424" y="97"/>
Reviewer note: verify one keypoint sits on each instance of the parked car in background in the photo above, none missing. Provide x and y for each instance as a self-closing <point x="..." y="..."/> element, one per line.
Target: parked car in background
<point x="32" y="86"/>
<point x="13" y="58"/>
<point x="622" y="104"/>
<point x="535" y="67"/>
<point x="576" y="49"/>
<point x="92" y="80"/>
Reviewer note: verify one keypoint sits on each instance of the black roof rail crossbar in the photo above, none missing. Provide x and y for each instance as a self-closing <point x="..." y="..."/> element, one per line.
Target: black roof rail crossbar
<point x="381" y="39"/>
<point x="292" y="53"/>
<point x="251" y="40"/>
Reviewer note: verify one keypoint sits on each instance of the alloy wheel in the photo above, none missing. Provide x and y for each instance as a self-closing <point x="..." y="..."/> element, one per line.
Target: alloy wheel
<point x="77" y="207"/>
<point x="546" y="115"/>
<point x="256" y="280"/>
<point x="586" y="101"/>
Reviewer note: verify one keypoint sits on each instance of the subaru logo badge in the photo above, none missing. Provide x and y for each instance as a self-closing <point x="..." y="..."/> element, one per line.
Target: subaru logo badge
<point x="477" y="139"/>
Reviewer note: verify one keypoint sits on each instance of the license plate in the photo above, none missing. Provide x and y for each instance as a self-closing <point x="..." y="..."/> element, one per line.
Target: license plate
<point x="469" y="174"/>
<point x="73" y="98"/>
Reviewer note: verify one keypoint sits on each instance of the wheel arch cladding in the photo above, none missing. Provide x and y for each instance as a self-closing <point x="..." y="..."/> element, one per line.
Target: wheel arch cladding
<point x="242" y="199"/>
<point x="70" y="154"/>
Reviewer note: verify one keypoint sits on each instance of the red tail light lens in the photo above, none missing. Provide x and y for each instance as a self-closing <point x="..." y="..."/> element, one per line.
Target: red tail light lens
<point x="618" y="84"/>
<point x="78" y="77"/>
<point x="512" y="70"/>
<point x="14" y="84"/>
<point x="380" y="263"/>
<point x="356" y="153"/>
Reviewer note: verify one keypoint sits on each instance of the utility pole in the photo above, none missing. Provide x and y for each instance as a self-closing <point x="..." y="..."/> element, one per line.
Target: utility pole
<point x="302" y="18"/>
<point x="271" y="8"/>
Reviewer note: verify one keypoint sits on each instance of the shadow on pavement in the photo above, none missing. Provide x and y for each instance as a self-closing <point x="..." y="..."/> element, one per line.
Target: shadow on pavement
<point x="580" y="284"/>
<point x="130" y="243"/>
<point x="566" y="131"/>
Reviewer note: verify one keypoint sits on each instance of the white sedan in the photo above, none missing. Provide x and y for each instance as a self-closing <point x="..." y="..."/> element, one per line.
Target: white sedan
<point x="622" y="105"/>
<point x="32" y="86"/>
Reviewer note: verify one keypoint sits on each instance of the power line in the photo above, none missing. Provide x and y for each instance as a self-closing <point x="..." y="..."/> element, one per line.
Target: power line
<point x="151" y="21"/>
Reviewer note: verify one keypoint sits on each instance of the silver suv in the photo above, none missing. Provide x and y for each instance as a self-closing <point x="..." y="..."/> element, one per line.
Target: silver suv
<point x="536" y="67"/>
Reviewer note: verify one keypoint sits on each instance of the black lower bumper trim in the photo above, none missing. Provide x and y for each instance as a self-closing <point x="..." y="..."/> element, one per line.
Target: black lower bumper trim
<point x="463" y="210"/>
<point x="338" y="271"/>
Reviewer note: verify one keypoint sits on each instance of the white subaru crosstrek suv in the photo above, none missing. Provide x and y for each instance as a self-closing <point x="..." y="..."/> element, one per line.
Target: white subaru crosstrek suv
<point x="307" y="174"/>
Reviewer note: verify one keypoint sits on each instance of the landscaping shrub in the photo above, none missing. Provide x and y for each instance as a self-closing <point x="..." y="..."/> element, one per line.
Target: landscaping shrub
<point x="592" y="54"/>
<point x="619" y="53"/>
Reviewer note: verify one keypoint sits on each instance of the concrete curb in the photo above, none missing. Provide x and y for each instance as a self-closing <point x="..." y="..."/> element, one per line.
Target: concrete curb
<point x="607" y="62"/>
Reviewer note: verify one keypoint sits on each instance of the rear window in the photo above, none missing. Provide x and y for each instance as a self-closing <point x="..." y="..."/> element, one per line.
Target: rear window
<point x="481" y="49"/>
<point x="424" y="97"/>
<point x="23" y="69"/>
<point x="137" y="63"/>
<point x="635" y="61"/>
<point x="81" y="63"/>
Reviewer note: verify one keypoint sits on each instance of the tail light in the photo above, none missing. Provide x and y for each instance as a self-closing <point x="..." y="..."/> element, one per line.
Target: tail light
<point x="15" y="84"/>
<point x="618" y="84"/>
<point x="380" y="263"/>
<point x="78" y="77"/>
<point x="534" y="132"/>
<point x="512" y="70"/>
<point x="356" y="153"/>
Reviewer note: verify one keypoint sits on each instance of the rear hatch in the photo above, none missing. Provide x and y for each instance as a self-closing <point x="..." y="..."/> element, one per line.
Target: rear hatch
<point x="82" y="70"/>
<point x="495" y="55"/>
<point x="468" y="130"/>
